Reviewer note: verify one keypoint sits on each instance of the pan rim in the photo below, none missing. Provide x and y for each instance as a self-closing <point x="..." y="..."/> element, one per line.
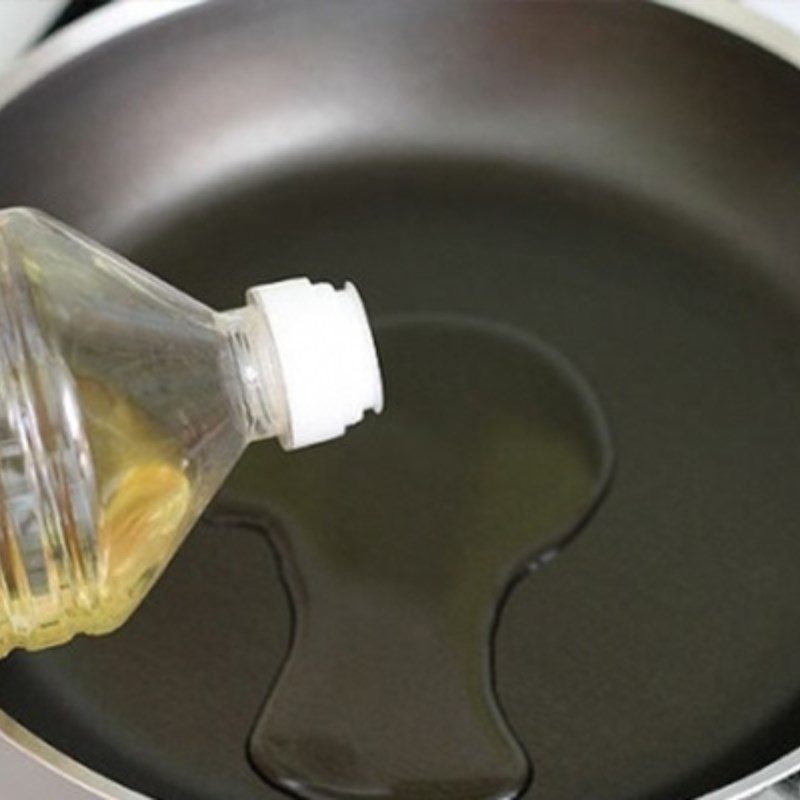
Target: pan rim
<point x="48" y="767"/>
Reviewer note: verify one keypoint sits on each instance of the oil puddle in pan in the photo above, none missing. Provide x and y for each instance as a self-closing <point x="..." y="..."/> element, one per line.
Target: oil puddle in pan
<point x="399" y="545"/>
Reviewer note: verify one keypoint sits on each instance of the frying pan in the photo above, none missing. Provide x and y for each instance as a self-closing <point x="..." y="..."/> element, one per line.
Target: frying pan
<point x="617" y="179"/>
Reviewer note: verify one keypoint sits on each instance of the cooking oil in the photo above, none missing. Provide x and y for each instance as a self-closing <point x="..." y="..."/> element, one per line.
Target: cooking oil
<point x="399" y="549"/>
<point x="143" y="497"/>
<point x="144" y="494"/>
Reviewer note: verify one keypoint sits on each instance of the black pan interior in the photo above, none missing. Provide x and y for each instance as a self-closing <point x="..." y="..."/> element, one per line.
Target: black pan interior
<point x="613" y="178"/>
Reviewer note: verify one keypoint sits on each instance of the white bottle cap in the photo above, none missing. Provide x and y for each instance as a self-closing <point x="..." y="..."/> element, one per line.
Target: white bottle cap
<point x="325" y="357"/>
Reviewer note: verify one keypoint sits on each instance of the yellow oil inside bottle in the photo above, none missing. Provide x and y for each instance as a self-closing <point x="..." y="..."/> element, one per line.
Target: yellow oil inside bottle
<point x="143" y="508"/>
<point x="144" y="498"/>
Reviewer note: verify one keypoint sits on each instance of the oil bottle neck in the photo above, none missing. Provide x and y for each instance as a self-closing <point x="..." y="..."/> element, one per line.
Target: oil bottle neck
<point x="256" y="376"/>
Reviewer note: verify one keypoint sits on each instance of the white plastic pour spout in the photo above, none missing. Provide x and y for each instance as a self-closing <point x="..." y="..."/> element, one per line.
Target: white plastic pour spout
<point x="322" y="358"/>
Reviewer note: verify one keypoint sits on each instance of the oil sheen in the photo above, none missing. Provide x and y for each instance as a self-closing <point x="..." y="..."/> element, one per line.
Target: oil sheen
<point x="491" y="456"/>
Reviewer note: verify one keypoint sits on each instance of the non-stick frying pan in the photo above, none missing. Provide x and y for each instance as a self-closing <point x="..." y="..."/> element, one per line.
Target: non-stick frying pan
<point x="617" y="180"/>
